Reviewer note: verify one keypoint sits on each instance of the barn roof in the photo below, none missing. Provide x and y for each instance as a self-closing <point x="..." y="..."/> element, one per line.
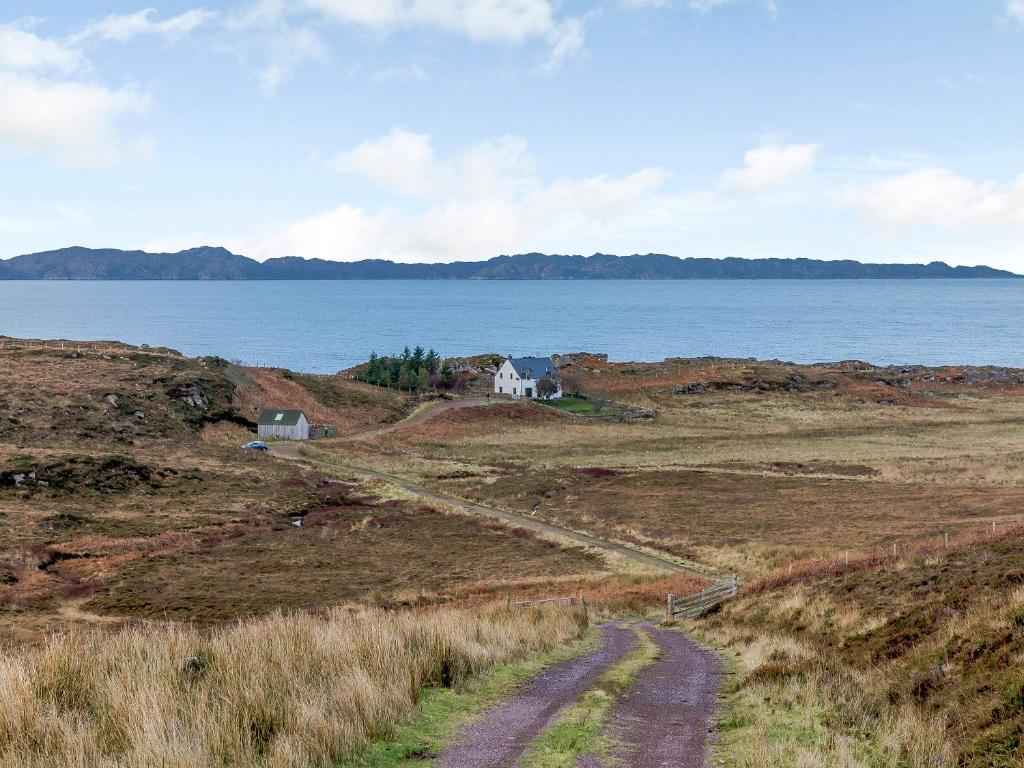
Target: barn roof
<point x="280" y="417"/>
<point x="533" y="367"/>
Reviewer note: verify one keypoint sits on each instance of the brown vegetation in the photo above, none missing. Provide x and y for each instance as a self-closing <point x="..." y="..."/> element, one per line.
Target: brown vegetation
<point x="916" y="662"/>
<point x="296" y="690"/>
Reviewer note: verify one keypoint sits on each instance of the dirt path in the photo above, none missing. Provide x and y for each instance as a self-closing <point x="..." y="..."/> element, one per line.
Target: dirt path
<point x="428" y="411"/>
<point x="290" y="451"/>
<point x="500" y="738"/>
<point x="664" y="719"/>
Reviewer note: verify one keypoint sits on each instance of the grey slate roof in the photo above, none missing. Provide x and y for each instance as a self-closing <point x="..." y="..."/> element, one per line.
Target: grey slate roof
<point x="288" y="418"/>
<point x="533" y="367"/>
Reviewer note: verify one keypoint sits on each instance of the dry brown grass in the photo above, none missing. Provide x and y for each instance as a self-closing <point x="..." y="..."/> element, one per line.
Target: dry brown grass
<point x="913" y="663"/>
<point x="292" y="690"/>
<point x="349" y="405"/>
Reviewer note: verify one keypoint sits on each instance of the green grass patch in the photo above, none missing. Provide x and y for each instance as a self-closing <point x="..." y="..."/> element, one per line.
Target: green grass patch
<point x="578" y="730"/>
<point x="579" y="406"/>
<point x="443" y="712"/>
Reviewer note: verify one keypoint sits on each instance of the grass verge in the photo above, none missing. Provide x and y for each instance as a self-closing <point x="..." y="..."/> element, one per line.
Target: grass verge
<point x="443" y="712"/>
<point x="288" y="691"/>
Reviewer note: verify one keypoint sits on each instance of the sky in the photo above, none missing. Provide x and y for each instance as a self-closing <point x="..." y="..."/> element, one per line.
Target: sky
<point x="445" y="130"/>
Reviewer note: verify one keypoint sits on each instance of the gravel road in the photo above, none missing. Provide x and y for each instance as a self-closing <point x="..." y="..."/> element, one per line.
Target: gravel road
<point x="500" y="738"/>
<point x="664" y="719"/>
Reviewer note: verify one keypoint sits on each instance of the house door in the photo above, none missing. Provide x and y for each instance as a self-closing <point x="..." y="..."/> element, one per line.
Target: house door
<point x="529" y="391"/>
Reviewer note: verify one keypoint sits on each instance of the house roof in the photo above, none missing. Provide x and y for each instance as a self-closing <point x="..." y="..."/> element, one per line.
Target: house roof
<point x="533" y="367"/>
<point x="279" y="417"/>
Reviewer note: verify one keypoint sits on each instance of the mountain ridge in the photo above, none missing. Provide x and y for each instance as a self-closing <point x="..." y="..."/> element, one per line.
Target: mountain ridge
<point x="216" y="263"/>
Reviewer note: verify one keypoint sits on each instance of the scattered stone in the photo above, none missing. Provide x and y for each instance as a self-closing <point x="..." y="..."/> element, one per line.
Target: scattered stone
<point x="696" y="388"/>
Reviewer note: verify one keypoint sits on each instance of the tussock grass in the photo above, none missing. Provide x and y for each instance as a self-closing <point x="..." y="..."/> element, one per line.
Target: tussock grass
<point x="296" y="690"/>
<point x="916" y="664"/>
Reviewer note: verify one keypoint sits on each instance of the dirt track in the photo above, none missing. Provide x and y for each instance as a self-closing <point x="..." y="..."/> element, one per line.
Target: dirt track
<point x="501" y="737"/>
<point x="428" y="411"/>
<point x="290" y="451"/>
<point x="663" y="720"/>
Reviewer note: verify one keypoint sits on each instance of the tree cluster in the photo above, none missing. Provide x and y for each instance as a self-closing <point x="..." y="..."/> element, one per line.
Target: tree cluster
<point x="414" y="369"/>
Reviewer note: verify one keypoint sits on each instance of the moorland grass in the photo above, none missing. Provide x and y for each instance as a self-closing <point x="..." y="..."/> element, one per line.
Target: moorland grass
<point x="295" y="690"/>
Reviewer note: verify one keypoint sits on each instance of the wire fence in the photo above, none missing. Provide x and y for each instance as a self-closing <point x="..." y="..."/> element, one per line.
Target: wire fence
<point x="853" y="562"/>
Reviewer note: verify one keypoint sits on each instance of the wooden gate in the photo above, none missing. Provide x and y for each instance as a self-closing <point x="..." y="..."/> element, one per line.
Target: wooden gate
<point x="692" y="606"/>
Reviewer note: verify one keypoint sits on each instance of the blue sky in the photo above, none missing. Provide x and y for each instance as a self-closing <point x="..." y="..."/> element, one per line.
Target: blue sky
<point x="440" y="130"/>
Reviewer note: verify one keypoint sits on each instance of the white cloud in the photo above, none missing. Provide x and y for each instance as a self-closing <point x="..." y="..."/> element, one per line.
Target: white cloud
<point x="484" y="200"/>
<point x="405" y="163"/>
<point x="771" y="166"/>
<point x="942" y="199"/>
<point x="288" y="48"/>
<point x="50" y="107"/>
<point x="23" y="51"/>
<point x="124" y="27"/>
<point x="1015" y="10"/>
<point x="510" y="22"/>
<point x="702" y="6"/>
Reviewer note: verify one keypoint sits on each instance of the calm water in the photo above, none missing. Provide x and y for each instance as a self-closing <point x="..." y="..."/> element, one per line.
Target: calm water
<point x="326" y="326"/>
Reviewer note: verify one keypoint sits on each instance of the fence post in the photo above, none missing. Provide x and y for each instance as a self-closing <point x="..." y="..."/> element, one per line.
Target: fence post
<point x="847" y="557"/>
<point x="735" y="585"/>
<point x="945" y="538"/>
<point x="671" y="607"/>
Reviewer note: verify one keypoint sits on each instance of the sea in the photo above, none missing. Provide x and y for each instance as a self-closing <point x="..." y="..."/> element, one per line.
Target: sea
<point x="325" y="326"/>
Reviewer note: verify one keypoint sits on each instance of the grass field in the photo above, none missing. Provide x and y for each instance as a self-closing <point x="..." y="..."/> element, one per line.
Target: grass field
<point x="295" y="690"/>
<point x="125" y="501"/>
<point x="123" y="495"/>
<point x="580" y="406"/>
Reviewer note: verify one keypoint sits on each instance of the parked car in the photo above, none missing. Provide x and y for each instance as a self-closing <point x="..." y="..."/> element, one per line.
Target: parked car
<point x="255" y="445"/>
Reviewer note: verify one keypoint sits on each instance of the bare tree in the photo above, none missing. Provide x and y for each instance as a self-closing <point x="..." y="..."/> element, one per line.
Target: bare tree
<point x="547" y="387"/>
<point x="572" y="382"/>
<point x="599" y="400"/>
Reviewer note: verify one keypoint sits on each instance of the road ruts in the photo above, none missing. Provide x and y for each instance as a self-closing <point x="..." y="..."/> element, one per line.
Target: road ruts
<point x="502" y="735"/>
<point x="665" y="717"/>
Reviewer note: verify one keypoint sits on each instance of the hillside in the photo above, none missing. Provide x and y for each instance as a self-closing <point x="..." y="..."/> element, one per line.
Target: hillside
<point x="124" y="495"/>
<point x="207" y="263"/>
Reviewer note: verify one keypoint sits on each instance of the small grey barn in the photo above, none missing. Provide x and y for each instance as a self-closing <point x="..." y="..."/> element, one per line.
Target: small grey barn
<point x="290" y="425"/>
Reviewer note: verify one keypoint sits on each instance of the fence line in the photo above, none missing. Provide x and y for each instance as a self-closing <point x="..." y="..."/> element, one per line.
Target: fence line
<point x="696" y="605"/>
<point x="95" y="347"/>
<point x="569" y="601"/>
<point x="853" y="562"/>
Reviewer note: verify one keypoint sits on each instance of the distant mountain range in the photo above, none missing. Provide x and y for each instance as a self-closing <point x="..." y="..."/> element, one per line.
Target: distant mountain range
<point x="209" y="263"/>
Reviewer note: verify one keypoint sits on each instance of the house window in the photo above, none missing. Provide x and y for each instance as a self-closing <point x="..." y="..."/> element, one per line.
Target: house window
<point x="514" y="391"/>
<point x="279" y="417"/>
<point x="501" y="390"/>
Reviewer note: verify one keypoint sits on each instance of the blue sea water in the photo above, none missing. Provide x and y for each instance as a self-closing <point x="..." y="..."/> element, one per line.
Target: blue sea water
<point x="323" y="326"/>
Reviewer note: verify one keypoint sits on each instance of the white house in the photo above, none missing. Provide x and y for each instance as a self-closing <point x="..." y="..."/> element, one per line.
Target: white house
<point x="288" y="424"/>
<point x="521" y="376"/>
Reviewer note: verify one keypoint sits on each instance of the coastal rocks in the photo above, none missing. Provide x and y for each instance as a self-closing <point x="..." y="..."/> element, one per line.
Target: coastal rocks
<point x="991" y="375"/>
<point x="695" y="388"/>
<point x="572" y="358"/>
<point x="792" y="382"/>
